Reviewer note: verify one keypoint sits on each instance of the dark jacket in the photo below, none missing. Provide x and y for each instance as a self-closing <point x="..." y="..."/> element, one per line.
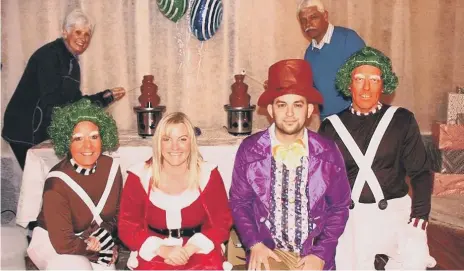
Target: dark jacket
<point x="51" y="78"/>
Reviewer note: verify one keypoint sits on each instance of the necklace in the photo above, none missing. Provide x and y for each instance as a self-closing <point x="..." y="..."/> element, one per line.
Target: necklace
<point x="373" y="110"/>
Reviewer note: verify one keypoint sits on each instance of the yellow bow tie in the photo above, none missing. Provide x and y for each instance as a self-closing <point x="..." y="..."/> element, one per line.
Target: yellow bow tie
<point x="291" y="154"/>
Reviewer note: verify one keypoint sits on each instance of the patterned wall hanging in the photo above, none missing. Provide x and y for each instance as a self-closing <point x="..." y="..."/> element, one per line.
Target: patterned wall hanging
<point x="173" y="9"/>
<point x="205" y="18"/>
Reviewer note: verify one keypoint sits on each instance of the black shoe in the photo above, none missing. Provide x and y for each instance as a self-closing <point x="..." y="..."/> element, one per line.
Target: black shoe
<point x="32" y="225"/>
<point x="380" y="261"/>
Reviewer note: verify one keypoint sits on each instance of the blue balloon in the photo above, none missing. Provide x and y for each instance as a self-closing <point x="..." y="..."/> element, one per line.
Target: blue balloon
<point x="205" y="18"/>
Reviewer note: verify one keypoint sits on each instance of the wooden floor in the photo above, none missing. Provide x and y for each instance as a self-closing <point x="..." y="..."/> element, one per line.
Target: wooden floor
<point x="446" y="232"/>
<point x="447" y="247"/>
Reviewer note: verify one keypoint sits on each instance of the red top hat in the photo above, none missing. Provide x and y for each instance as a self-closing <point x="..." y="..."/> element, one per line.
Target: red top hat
<point x="291" y="76"/>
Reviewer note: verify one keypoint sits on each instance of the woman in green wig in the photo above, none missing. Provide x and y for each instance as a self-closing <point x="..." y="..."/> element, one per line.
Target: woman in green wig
<point x="77" y="222"/>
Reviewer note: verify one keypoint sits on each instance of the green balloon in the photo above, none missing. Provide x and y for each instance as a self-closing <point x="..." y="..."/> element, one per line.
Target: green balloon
<point x="173" y="9"/>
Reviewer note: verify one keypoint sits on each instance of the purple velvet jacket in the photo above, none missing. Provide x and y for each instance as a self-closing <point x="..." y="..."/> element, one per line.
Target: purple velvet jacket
<point x="328" y="192"/>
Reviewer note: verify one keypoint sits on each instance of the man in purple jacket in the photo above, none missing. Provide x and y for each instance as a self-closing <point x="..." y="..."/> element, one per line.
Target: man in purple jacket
<point x="290" y="193"/>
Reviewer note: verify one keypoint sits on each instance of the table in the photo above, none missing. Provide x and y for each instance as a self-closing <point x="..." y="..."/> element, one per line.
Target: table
<point x="216" y="146"/>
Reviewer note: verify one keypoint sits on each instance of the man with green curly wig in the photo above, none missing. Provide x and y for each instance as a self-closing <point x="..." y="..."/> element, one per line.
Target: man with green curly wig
<point x="80" y="202"/>
<point x="381" y="146"/>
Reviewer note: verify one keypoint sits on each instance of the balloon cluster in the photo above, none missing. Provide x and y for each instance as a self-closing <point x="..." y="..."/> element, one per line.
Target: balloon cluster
<point x="205" y="15"/>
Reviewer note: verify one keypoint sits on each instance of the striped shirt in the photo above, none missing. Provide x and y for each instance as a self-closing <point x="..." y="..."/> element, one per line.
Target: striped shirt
<point x="289" y="216"/>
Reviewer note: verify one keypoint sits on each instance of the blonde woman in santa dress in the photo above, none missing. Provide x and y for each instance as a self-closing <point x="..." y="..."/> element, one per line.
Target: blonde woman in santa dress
<point x="174" y="208"/>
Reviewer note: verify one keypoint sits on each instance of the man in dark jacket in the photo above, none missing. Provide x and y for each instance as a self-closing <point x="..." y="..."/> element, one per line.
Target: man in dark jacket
<point x="51" y="78"/>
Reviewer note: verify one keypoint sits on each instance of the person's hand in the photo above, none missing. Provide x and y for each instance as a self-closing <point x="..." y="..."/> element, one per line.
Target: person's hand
<point x="164" y="251"/>
<point x="115" y="255"/>
<point x="178" y="256"/>
<point x="93" y="244"/>
<point x="310" y="262"/>
<point x="87" y="232"/>
<point x="191" y="249"/>
<point x="260" y="255"/>
<point x="118" y="93"/>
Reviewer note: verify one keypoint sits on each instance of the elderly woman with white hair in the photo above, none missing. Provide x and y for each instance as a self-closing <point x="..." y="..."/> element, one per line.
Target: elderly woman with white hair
<point x="51" y="78"/>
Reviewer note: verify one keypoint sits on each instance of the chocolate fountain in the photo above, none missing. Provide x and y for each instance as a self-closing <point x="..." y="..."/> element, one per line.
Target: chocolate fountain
<point x="149" y="113"/>
<point x="239" y="111"/>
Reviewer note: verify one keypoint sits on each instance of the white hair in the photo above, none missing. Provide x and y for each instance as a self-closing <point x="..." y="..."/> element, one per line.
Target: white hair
<point x="310" y="3"/>
<point x="77" y="17"/>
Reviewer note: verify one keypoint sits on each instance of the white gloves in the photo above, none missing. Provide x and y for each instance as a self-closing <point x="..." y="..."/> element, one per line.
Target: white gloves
<point x="417" y="238"/>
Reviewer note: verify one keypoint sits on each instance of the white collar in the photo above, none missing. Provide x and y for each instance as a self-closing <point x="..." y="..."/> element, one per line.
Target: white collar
<point x="373" y="110"/>
<point x="326" y="39"/>
<point x="81" y="170"/>
<point x="275" y="141"/>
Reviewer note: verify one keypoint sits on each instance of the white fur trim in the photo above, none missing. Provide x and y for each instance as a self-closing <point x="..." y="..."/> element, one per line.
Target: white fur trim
<point x="144" y="172"/>
<point x="149" y="247"/>
<point x="227" y="266"/>
<point x="172" y="242"/>
<point x="173" y="204"/>
<point x="202" y="242"/>
<point x="431" y="262"/>
<point x="206" y="169"/>
<point x="132" y="262"/>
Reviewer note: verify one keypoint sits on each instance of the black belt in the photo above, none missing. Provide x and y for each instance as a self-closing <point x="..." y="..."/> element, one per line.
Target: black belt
<point x="177" y="233"/>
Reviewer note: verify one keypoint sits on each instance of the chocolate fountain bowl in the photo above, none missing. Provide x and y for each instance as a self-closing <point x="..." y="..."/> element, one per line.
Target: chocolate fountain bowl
<point x="148" y="118"/>
<point x="239" y="119"/>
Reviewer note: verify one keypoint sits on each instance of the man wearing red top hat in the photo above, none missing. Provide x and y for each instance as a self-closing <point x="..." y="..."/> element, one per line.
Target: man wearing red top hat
<point x="290" y="193"/>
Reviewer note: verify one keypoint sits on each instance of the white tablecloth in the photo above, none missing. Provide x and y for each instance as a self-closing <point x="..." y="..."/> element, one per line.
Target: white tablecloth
<point x="216" y="146"/>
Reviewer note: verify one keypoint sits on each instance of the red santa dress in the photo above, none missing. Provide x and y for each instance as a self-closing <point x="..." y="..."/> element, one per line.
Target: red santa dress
<point x="140" y="211"/>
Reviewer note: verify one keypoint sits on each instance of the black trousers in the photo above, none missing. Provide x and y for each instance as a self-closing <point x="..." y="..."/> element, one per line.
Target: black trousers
<point x="20" y="151"/>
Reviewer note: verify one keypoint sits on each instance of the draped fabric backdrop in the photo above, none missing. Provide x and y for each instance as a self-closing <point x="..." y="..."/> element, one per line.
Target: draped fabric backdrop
<point x="424" y="38"/>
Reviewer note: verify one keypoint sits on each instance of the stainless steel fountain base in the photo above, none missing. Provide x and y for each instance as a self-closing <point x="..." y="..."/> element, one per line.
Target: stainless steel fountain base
<point x="148" y="118"/>
<point x="239" y="119"/>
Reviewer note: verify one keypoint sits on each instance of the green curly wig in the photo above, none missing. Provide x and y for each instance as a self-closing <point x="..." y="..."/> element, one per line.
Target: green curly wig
<point x="366" y="56"/>
<point x="64" y="120"/>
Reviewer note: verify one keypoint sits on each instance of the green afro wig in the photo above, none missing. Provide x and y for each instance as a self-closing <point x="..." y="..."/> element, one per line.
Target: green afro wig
<point x="366" y="56"/>
<point x="64" y="120"/>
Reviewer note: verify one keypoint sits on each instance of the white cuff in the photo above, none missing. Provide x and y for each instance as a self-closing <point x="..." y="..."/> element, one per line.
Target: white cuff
<point x="148" y="249"/>
<point x="202" y="242"/>
<point x="132" y="262"/>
